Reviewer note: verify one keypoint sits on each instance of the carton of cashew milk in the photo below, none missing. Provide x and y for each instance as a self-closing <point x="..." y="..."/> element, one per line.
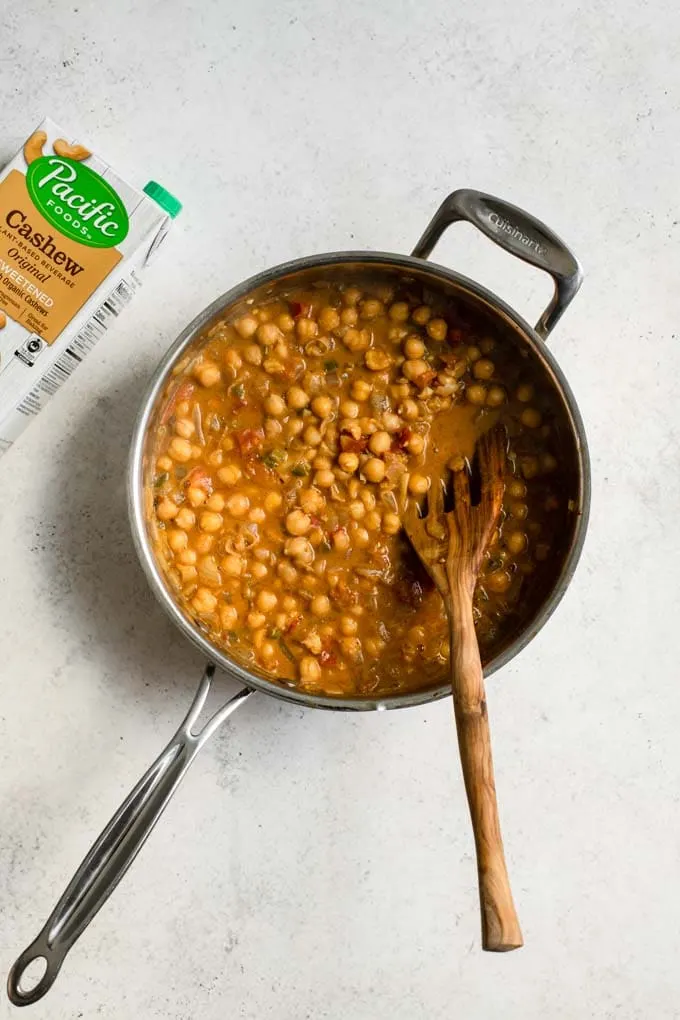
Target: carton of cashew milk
<point x="74" y="239"/>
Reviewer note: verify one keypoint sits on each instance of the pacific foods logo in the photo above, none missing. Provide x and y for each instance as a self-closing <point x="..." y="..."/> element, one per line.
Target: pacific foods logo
<point x="77" y="201"/>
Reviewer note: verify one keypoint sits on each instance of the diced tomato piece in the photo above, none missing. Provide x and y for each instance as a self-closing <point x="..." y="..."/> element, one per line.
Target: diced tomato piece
<point x="351" y="445"/>
<point x="199" y="478"/>
<point x="401" y="438"/>
<point x="249" y="439"/>
<point x="300" y="309"/>
<point x="293" y="624"/>
<point x="455" y="336"/>
<point x="328" y="658"/>
<point x="425" y="379"/>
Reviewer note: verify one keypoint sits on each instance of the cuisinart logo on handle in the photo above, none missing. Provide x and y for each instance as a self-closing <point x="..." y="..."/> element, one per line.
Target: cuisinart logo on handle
<point x="509" y="228"/>
<point x="77" y="201"/>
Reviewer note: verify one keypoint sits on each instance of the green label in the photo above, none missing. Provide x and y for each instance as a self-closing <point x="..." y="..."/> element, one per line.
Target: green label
<point x="77" y="201"/>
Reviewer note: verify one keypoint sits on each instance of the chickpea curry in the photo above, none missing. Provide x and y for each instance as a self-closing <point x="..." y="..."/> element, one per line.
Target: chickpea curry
<point x="286" y="450"/>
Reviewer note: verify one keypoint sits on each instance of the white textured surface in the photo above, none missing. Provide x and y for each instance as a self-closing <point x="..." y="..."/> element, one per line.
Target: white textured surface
<point x="320" y="865"/>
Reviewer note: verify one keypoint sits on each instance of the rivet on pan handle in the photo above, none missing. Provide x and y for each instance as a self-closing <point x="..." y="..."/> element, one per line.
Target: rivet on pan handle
<point x="117" y="846"/>
<point x="517" y="233"/>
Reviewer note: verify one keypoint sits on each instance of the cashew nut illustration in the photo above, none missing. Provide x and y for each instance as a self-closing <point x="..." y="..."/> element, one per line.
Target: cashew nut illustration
<point x="33" y="149"/>
<point x="62" y="148"/>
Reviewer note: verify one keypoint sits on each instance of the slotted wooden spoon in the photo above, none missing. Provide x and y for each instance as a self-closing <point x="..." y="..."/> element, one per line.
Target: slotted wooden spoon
<point x="451" y="546"/>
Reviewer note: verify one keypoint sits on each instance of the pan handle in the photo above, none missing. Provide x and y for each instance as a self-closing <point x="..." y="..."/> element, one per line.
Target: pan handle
<point x="116" y="847"/>
<point x="517" y="233"/>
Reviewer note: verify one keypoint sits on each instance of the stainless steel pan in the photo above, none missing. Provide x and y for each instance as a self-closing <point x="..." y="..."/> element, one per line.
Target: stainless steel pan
<point x="520" y="235"/>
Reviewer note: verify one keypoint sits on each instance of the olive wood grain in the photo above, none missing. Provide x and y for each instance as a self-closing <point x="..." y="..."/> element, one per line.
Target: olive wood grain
<point x="451" y="546"/>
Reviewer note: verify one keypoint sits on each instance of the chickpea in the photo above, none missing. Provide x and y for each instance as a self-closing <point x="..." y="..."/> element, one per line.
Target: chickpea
<point x="531" y="418"/>
<point x="188" y="574"/>
<point x="349" y="317"/>
<point x="530" y="467"/>
<point x="257" y="515"/>
<point x="476" y="394"/>
<point x="208" y="374"/>
<point x="298" y="522"/>
<point x="166" y="510"/>
<point x="498" y="581"/>
<point x="351" y="646"/>
<point x="228" y="617"/>
<point x="373" y="646"/>
<point x="348" y="462"/>
<point x="297" y="398"/>
<point x="361" y="389"/>
<point x="351" y="295"/>
<point x="272" y="501"/>
<point x="204" y="601"/>
<point x="418" y="484"/>
<point x="228" y="443"/>
<point x="289" y="604"/>
<point x="184" y="428"/>
<point x="196" y="495"/>
<point x="229" y="474"/>
<point x="211" y="522"/>
<point x="287" y="572"/>
<point x="374" y="469"/>
<point x="256" y="620"/>
<point x="371" y="308"/>
<point x="164" y="464"/>
<point x="320" y="605"/>
<point x="357" y="339"/>
<point x="398" y="312"/>
<point x="238" y="505"/>
<point x="391" y="524"/>
<point x="516" y="542"/>
<point x="203" y="543"/>
<point x="322" y="462"/>
<point x="274" y="404"/>
<point x="295" y="426"/>
<point x="421" y="315"/>
<point x="437" y="329"/>
<point x="188" y="556"/>
<point x="524" y="393"/>
<point x="266" y="601"/>
<point x="414" y="368"/>
<point x="391" y="422"/>
<point x="548" y="462"/>
<point x="180" y="449"/>
<point x="495" y="396"/>
<point x="183" y="409"/>
<point x="542" y="552"/>
<point x="517" y="489"/>
<point x="348" y="626"/>
<point x="259" y="571"/>
<point x="312" y="501"/>
<point x="286" y="323"/>
<point x="368" y="499"/>
<point x="216" y="502"/>
<point x="483" y="368"/>
<point x="233" y="359"/>
<point x="380" y="442"/>
<point x="312" y="436"/>
<point x="415" y="444"/>
<point x="267" y="651"/>
<point x="185" y="519"/>
<point x="377" y="361"/>
<point x="519" y="511"/>
<point x="349" y="409"/>
<point x="246" y="326"/>
<point x="487" y="344"/>
<point x="396" y="333"/>
<point x="310" y="670"/>
<point x="361" y="538"/>
<point x="215" y="458"/>
<point x="322" y="407"/>
<point x="253" y="354"/>
<point x="178" y="540"/>
<point x="324" y="478"/>
<point x="409" y="410"/>
<point x="414" y="348"/>
<point x="341" y="540"/>
<point x="269" y="334"/>
<point x="372" y="520"/>
<point x="306" y="329"/>
<point x="356" y="509"/>
<point x="329" y="319"/>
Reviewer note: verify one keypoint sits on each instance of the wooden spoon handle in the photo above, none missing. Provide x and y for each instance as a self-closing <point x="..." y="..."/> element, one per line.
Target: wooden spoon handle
<point x="500" y="926"/>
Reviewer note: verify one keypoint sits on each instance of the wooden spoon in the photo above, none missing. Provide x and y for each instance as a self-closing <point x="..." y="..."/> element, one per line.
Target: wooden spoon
<point x="451" y="546"/>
